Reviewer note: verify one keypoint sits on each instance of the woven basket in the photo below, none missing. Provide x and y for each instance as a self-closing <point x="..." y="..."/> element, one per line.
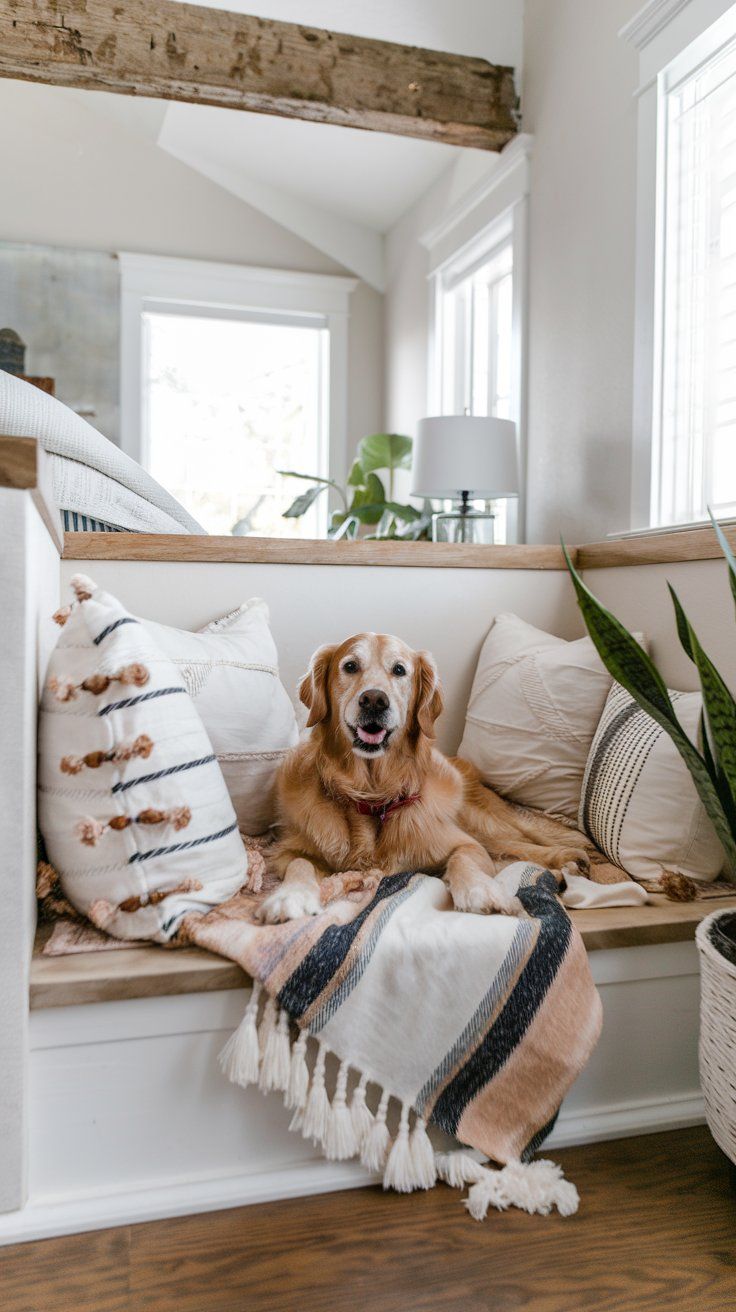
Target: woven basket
<point x="718" y="1029"/>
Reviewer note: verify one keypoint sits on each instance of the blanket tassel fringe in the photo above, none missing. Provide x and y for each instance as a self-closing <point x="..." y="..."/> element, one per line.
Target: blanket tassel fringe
<point x="265" y="1055"/>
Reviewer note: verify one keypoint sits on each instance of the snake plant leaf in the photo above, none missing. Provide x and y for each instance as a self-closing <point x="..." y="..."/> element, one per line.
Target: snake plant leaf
<point x="720" y="710"/>
<point x="725" y="548"/>
<point x="707" y="753"/>
<point x="633" y="669"/>
<point x="683" y="625"/>
<point x="385" y="451"/>
<point x="300" y="505"/>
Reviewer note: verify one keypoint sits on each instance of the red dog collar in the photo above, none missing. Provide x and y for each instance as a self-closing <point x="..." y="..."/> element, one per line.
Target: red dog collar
<point x="382" y="810"/>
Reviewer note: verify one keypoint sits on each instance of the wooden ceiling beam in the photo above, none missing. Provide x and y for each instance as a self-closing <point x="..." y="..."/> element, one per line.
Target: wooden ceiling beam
<point x="174" y="51"/>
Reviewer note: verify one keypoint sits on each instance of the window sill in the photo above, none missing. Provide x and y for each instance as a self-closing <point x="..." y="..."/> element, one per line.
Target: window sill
<point x="152" y="972"/>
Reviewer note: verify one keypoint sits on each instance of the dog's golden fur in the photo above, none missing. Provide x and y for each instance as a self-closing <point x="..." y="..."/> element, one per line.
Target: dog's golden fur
<point x="456" y="827"/>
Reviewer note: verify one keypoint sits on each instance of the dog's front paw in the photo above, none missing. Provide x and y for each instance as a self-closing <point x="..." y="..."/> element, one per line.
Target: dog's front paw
<point x="571" y="861"/>
<point x="483" y="896"/>
<point x="289" y="904"/>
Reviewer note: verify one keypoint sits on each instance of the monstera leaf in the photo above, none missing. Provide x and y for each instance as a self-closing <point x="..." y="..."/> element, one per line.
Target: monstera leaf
<point x="385" y="451"/>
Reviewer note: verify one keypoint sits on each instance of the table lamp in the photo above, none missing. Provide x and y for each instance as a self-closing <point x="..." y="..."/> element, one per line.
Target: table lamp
<point x="464" y="458"/>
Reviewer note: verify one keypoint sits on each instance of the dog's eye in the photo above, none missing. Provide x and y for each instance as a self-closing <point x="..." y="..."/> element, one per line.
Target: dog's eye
<point x="399" y="669"/>
<point x="350" y="667"/>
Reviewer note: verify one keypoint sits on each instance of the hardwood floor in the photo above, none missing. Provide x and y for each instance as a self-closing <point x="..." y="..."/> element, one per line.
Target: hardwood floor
<point x="656" y="1232"/>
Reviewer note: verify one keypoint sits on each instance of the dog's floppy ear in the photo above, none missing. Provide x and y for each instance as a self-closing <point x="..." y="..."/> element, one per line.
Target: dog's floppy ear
<point x="313" y="687"/>
<point x="429" y="699"/>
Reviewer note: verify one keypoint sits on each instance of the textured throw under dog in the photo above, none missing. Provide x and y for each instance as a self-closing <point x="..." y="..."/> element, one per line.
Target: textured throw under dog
<point x="475" y="1024"/>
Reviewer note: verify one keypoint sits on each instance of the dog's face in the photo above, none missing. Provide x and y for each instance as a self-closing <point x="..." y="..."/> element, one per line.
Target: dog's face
<point x="372" y="690"/>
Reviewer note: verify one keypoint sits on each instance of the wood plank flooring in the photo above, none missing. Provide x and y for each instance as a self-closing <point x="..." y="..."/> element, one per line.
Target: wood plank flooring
<point x="656" y="1232"/>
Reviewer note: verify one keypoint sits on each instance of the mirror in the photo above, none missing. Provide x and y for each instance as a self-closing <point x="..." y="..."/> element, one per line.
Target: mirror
<point x="229" y="295"/>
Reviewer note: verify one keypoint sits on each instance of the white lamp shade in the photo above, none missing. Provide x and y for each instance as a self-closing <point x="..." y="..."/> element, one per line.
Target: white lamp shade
<point x="465" y="453"/>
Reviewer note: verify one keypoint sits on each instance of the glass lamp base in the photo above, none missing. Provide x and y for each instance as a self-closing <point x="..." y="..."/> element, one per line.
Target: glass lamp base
<point x="474" y="526"/>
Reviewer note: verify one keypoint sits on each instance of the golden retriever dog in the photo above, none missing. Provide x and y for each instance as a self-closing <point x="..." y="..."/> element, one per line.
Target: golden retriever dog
<point x="367" y="790"/>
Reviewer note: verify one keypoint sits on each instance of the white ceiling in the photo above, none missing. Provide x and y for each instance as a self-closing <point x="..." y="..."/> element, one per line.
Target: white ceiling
<point x="339" y="189"/>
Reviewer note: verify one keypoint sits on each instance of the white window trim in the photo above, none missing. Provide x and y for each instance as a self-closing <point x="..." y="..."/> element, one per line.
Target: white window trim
<point x="151" y="282"/>
<point x="661" y="31"/>
<point x="494" y="209"/>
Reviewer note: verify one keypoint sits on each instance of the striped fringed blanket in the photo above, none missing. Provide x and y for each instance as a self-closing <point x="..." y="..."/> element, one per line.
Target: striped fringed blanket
<point x="478" y="1024"/>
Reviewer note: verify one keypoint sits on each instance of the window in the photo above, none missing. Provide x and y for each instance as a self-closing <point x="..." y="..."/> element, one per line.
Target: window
<point x="684" y="420"/>
<point x="230" y="375"/>
<point x="227" y="403"/>
<point x="475" y="336"/>
<point x="697" y="419"/>
<point x="476" y="332"/>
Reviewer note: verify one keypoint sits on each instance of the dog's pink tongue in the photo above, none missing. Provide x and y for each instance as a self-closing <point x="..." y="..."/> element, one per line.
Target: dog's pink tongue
<point x="366" y="737"/>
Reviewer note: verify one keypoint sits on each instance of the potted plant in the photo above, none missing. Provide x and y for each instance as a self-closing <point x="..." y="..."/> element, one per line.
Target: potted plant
<point x="365" y="501"/>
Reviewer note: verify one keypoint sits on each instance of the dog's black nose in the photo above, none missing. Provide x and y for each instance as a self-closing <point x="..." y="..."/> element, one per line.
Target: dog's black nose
<point x="373" y="700"/>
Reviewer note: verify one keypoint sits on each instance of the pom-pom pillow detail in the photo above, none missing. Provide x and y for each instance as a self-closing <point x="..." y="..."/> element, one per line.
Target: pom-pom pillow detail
<point x="230" y="669"/>
<point x="133" y="807"/>
<point x="639" y="803"/>
<point x="534" y="706"/>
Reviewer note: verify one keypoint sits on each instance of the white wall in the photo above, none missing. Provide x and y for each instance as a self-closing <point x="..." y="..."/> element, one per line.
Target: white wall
<point x="74" y="177"/>
<point x="579" y="104"/>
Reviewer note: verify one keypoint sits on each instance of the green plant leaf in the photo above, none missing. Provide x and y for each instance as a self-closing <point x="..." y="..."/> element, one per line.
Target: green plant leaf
<point x="356" y="477"/>
<point x="633" y="669"/>
<point x="718" y="721"/>
<point x="720" y="710"/>
<point x="315" y="478"/>
<point x="725" y="548"/>
<point x="301" y="504"/>
<point x="683" y="626"/>
<point x="385" y="451"/>
<point x="368" y="502"/>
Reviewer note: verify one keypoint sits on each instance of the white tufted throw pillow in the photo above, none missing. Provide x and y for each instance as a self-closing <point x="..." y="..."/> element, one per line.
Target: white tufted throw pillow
<point x="534" y="706"/>
<point x="133" y="807"/>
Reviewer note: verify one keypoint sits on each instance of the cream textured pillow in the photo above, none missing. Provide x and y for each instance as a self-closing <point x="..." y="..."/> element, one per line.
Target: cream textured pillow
<point x="231" y="672"/>
<point x="638" y="802"/>
<point x="533" y="710"/>
<point x="133" y="807"/>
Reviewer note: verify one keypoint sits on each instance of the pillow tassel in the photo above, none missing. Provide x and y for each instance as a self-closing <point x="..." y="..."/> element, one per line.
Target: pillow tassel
<point x="276" y="1061"/>
<point x="422" y="1155"/>
<point x="240" y="1058"/>
<point x="340" y="1140"/>
<point x="399" y="1172"/>
<point x="377" y="1140"/>
<point x="361" y="1113"/>
<point x="296" y="1092"/>
<point x="317" y="1108"/>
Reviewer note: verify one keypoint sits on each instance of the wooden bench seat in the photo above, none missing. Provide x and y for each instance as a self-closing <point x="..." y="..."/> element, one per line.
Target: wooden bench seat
<point x="158" y="972"/>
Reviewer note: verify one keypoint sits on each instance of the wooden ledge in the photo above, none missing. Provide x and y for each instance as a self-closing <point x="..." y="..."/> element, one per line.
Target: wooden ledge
<point x="153" y="972"/>
<point x="183" y="548"/>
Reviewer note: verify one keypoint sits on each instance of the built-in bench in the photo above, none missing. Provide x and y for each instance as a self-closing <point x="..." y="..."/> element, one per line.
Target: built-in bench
<point x="154" y="972"/>
<point x="114" y="1106"/>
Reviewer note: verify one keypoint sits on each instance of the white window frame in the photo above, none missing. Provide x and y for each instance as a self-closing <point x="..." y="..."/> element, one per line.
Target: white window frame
<point x="151" y="283"/>
<point x="490" y="214"/>
<point x="662" y="32"/>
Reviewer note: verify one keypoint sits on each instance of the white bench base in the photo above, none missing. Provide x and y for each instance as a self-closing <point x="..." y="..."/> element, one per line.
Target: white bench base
<point x="131" y="1120"/>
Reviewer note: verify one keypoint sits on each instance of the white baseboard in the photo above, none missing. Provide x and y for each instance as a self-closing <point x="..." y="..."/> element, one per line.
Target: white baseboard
<point x="624" y="1120"/>
<point x="72" y="1215"/>
<point x="96" y="1211"/>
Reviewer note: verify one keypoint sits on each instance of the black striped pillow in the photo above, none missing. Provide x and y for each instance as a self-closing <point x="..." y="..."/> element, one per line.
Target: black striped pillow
<point x="638" y="801"/>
